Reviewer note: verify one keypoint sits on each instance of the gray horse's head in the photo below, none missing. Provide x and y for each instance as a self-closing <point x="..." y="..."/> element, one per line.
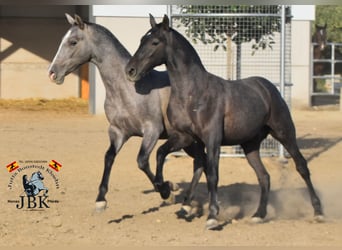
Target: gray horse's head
<point x="73" y="51"/>
<point x="37" y="176"/>
<point x="151" y="51"/>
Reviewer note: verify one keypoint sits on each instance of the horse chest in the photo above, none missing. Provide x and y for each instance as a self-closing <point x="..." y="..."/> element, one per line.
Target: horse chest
<point x="188" y="115"/>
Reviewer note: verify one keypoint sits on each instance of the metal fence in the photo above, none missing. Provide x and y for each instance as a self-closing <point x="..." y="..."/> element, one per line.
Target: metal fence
<point x="222" y="55"/>
<point x="327" y="81"/>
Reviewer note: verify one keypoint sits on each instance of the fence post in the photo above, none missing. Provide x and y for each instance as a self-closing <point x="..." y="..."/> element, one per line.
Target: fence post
<point x="341" y="99"/>
<point x="282" y="71"/>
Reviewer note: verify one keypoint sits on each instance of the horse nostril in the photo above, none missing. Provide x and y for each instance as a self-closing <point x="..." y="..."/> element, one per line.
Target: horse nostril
<point x="52" y="75"/>
<point x="132" y="72"/>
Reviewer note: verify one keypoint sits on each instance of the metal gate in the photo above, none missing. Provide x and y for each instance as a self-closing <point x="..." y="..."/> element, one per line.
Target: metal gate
<point x="326" y="84"/>
<point x="268" y="57"/>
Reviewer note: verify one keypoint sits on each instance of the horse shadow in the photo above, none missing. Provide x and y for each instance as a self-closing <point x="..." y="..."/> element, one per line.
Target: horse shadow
<point x="317" y="145"/>
<point x="238" y="201"/>
<point x="147" y="211"/>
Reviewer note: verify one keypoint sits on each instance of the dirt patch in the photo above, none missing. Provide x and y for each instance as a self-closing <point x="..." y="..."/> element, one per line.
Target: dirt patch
<point x="74" y="105"/>
<point x="136" y="216"/>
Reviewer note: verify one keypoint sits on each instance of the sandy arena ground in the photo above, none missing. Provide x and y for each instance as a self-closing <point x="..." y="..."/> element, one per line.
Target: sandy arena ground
<point x="136" y="216"/>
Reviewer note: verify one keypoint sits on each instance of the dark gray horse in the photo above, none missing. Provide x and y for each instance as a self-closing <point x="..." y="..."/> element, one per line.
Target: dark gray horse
<point x="214" y="111"/>
<point x="132" y="110"/>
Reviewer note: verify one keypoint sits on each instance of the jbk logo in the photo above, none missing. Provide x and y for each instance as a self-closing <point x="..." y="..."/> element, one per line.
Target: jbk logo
<point x="34" y="192"/>
<point x="31" y="202"/>
<point x="32" y="187"/>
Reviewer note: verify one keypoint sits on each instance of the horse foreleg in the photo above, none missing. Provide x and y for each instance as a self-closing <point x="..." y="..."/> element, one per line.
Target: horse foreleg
<point x="213" y="153"/>
<point x="116" y="143"/>
<point x="196" y="151"/>
<point x="101" y="202"/>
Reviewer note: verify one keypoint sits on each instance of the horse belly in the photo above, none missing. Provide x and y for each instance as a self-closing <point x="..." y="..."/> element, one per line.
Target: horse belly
<point x="242" y="128"/>
<point x="239" y="136"/>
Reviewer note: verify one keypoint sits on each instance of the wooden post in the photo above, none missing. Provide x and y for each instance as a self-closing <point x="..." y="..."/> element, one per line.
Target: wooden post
<point x="341" y="99"/>
<point x="84" y="76"/>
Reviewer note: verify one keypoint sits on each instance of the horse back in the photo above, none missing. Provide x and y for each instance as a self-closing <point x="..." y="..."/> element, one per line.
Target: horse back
<point x="250" y="104"/>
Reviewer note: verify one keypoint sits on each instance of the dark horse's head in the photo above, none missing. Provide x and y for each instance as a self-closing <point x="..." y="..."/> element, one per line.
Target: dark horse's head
<point x="73" y="51"/>
<point x="151" y="51"/>
<point x="320" y="36"/>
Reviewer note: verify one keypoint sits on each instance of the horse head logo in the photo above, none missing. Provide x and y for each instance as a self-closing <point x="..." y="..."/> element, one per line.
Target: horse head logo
<point x="33" y="186"/>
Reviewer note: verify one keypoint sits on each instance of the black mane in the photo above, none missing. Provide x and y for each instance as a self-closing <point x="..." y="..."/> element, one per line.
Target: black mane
<point x="186" y="46"/>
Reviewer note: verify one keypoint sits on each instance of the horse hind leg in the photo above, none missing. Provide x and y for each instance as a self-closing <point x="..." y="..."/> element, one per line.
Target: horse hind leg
<point x="287" y="137"/>
<point x="174" y="143"/>
<point x="252" y="153"/>
<point x="46" y="190"/>
<point x="148" y="143"/>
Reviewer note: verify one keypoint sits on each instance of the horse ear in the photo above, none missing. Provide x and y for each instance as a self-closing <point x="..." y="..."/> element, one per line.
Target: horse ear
<point x="152" y="21"/>
<point x="325" y="25"/>
<point x="70" y="19"/>
<point x="166" y="22"/>
<point x="79" y="22"/>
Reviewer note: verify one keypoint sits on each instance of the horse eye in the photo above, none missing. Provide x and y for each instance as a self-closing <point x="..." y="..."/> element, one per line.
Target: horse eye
<point x="73" y="42"/>
<point x="155" y="42"/>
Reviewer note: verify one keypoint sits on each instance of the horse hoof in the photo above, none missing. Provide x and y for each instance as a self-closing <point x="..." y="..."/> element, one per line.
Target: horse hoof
<point x="319" y="218"/>
<point x="174" y="186"/>
<point x="171" y="199"/>
<point x="257" y="220"/>
<point x="212" y="224"/>
<point x="186" y="209"/>
<point x="100" y="206"/>
<point x="164" y="190"/>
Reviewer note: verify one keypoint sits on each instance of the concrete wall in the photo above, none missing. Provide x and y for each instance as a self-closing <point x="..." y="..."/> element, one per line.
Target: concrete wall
<point x="303" y="16"/>
<point x="301" y="60"/>
<point x="29" y="39"/>
<point x="27" y="47"/>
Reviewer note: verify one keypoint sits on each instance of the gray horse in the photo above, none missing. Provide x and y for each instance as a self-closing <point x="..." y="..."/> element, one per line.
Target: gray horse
<point x="132" y="110"/>
<point x="33" y="186"/>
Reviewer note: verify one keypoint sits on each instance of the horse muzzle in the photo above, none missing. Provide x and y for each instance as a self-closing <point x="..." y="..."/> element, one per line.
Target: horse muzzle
<point x="53" y="77"/>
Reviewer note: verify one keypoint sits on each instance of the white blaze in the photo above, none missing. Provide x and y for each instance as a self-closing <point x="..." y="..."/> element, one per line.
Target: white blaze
<point x="65" y="38"/>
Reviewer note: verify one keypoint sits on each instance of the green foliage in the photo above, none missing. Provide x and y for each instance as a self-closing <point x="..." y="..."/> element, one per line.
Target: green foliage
<point x="332" y="16"/>
<point x="242" y="28"/>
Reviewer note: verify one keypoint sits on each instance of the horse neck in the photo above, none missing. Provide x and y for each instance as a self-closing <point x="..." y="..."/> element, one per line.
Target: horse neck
<point x="110" y="57"/>
<point x="184" y="66"/>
